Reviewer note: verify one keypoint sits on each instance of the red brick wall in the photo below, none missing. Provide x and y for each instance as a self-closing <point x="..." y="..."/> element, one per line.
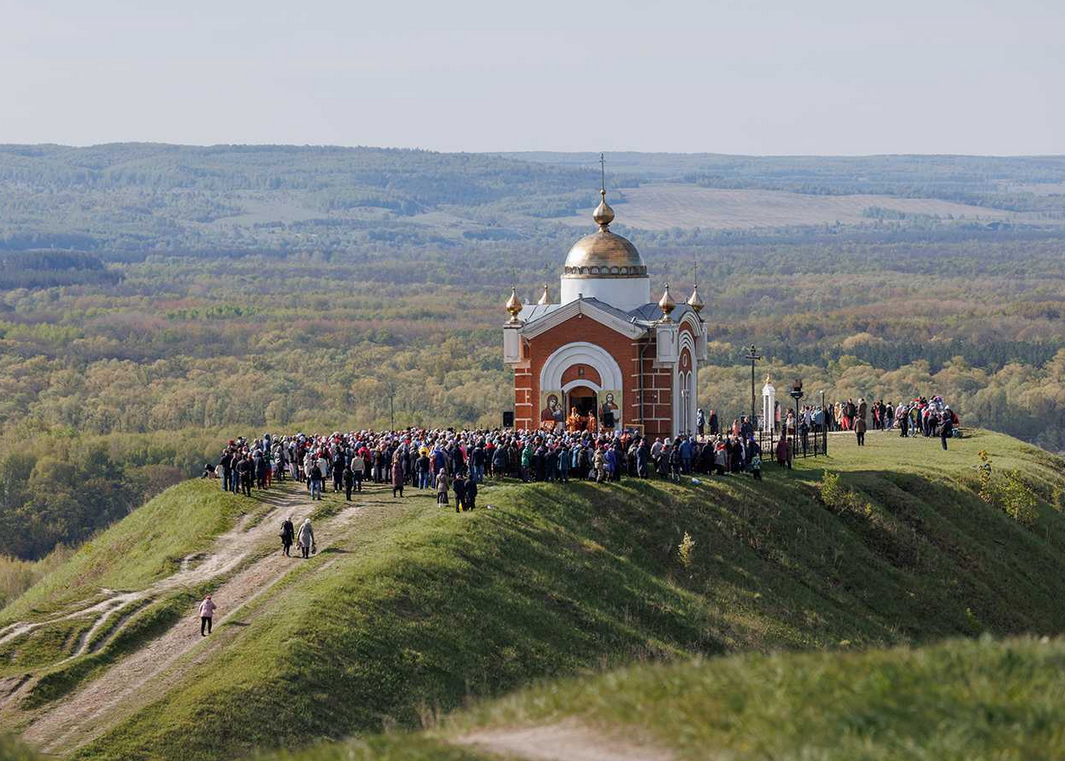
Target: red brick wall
<point x="573" y="372"/>
<point x="657" y="408"/>
<point x="658" y="396"/>
<point x="524" y="406"/>
<point x="578" y="328"/>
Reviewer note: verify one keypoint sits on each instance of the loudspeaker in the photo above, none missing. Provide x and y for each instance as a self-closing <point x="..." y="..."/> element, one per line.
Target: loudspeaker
<point x="508" y="419"/>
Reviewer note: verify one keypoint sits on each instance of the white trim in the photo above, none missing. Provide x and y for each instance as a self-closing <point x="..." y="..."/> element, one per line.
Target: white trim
<point x="698" y="328"/>
<point x="571" y="310"/>
<point x="581" y="382"/>
<point x="580" y="352"/>
<point x="693" y="321"/>
<point x="685" y="380"/>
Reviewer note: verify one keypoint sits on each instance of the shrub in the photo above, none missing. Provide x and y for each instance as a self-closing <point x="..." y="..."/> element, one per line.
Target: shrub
<point x="1017" y="499"/>
<point x="684" y="550"/>
<point x="839" y="498"/>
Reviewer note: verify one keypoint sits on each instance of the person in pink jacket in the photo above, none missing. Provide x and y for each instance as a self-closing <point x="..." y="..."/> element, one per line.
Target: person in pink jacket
<point x="207" y="609"/>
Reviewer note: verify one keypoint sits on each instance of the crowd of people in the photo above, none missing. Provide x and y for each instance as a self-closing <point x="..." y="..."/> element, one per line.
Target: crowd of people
<point x="454" y="463"/>
<point x="920" y="416"/>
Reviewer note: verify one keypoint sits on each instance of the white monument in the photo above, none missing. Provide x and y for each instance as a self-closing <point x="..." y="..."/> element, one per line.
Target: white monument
<point x="769" y="406"/>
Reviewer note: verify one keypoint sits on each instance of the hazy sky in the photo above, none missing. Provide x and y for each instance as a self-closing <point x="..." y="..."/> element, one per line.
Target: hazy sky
<point x="769" y="77"/>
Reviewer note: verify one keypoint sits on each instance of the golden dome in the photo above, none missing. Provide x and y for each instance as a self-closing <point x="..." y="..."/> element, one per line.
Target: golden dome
<point x="695" y="302"/>
<point x="513" y="306"/>
<point x="666" y="304"/>
<point x="603" y="253"/>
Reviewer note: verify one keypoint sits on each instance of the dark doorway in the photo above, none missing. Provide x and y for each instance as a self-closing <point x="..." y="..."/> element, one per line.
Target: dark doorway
<point x="584" y="399"/>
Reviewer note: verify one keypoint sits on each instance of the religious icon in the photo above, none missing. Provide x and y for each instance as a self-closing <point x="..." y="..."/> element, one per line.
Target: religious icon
<point x="608" y="410"/>
<point x="552" y="415"/>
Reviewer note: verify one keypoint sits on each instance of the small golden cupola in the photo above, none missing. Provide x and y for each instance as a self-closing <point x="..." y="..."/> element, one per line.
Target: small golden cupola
<point x="514" y="305"/>
<point x="667" y="305"/>
<point x="603" y="214"/>
<point x="604" y="265"/>
<point x="694" y="301"/>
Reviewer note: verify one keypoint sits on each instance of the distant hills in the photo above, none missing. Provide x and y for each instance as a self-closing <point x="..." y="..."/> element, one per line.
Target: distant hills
<point x="140" y="197"/>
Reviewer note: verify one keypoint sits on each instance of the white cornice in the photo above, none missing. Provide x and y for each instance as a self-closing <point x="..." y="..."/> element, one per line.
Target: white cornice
<point x="581" y="307"/>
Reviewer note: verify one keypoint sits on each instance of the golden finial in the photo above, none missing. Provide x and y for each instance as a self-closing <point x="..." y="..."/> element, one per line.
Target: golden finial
<point x="603" y="214"/>
<point x="695" y="302"/>
<point x="667" y="305"/>
<point x="514" y="305"/>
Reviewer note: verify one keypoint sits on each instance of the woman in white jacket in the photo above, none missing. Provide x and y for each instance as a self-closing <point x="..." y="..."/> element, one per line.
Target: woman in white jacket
<point x="306" y="538"/>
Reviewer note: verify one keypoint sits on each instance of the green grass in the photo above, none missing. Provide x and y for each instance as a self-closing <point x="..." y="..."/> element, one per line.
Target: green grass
<point x="144" y="547"/>
<point x="957" y="701"/>
<point x="961" y="700"/>
<point x="43" y="645"/>
<point x="421" y="611"/>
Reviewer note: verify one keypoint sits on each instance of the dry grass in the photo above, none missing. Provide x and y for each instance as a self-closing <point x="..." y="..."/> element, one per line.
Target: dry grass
<point x="666" y="206"/>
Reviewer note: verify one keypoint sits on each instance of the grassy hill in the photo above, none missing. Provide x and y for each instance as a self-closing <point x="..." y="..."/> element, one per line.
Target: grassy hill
<point x="413" y="611"/>
<point x="958" y="701"/>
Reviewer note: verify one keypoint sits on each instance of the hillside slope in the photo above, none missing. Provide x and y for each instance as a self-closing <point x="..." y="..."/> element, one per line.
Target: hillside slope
<point x="957" y="701"/>
<point x="413" y="611"/>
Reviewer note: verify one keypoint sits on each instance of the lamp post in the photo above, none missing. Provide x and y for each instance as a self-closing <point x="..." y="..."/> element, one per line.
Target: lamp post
<point x="752" y="356"/>
<point x="796" y="394"/>
<point x="824" y="424"/>
<point x="392" y="405"/>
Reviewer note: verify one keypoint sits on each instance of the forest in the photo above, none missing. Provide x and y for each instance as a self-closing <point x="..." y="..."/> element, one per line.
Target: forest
<point x="158" y="300"/>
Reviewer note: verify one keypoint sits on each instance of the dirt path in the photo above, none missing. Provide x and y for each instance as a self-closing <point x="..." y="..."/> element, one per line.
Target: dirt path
<point x="146" y="674"/>
<point x="229" y="551"/>
<point x="563" y="741"/>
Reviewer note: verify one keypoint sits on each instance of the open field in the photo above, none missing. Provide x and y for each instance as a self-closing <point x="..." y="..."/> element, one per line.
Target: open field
<point x="663" y="206"/>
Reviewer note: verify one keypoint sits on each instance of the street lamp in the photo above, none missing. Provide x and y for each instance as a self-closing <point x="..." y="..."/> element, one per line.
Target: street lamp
<point x="392" y="405"/>
<point x="752" y="356"/>
<point x="796" y="394"/>
<point x="824" y="424"/>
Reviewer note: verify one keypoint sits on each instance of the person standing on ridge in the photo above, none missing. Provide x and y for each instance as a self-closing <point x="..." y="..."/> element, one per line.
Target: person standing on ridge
<point x="397" y="475"/>
<point x="349" y="482"/>
<point x="315" y="479"/>
<point x="946" y="428"/>
<point x="207" y="609"/>
<point x="459" y="486"/>
<point x="859" y="430"/>
<point x="443" y="486"/>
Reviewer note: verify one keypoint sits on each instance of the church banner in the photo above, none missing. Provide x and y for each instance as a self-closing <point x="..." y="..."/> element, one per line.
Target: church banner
<point x="552" y="416"/>
<point x="609" y="409"/>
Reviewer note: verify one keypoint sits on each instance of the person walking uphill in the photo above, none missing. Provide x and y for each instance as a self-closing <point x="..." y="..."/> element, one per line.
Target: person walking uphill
<point x="306" y="538"/>
<point x="288" y="535"/>
<point x="207" y="609"/>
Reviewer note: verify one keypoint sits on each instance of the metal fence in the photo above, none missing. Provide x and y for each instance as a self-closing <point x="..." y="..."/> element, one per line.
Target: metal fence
<point x="811" y="443"/>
